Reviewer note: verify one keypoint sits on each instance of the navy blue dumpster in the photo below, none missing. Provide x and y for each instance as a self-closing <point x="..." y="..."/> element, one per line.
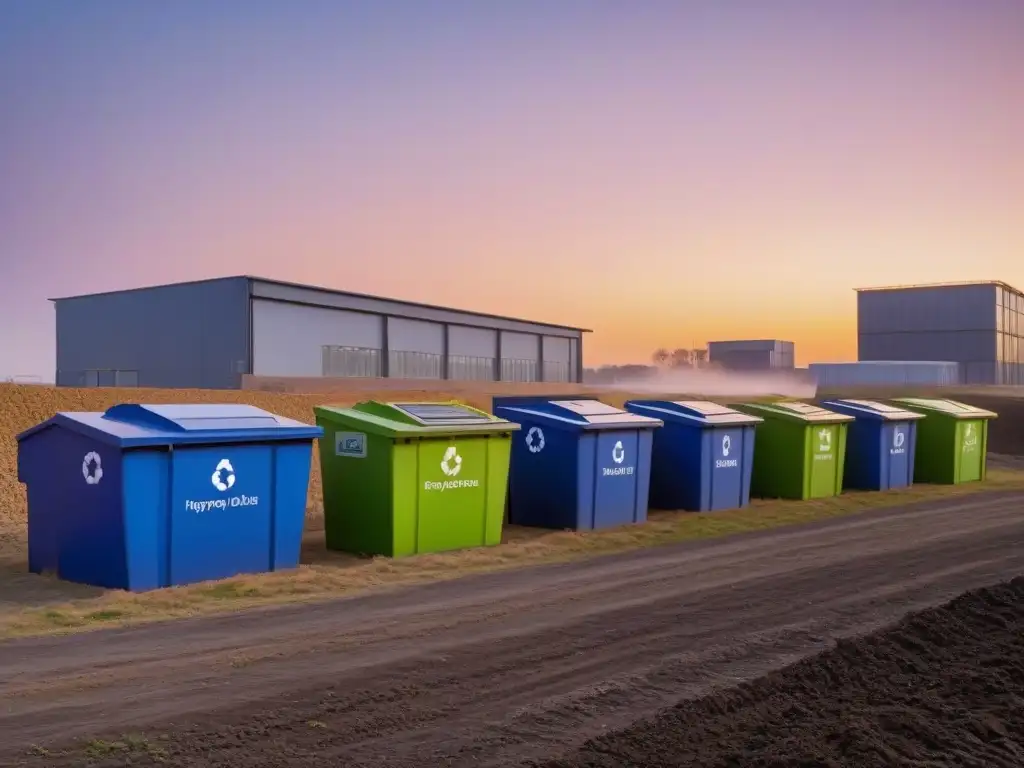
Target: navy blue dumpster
<point x="880" y="444"/>
<point x="577" y="464"/>
<point x="702" y="459"/>
<point x="149" y="496"/>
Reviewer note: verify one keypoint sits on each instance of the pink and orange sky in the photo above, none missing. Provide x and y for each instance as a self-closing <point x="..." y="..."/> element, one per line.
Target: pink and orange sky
<point x="664" y="172"/>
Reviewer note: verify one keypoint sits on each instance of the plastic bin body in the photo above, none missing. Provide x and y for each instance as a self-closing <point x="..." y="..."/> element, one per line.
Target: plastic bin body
<point x="800" y="450"/>
<point x="952" y="441"/>
<point x="578" y="464"/>
<point x="409" y="478"/>
<point x="143" y="497"/>
<point x="703" y="456"/>
<point x="880" y="444"/>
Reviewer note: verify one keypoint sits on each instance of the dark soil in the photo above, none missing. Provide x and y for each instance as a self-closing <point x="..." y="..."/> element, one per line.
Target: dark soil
<point x="944" y="687"/>
<point x="499" y="669"/>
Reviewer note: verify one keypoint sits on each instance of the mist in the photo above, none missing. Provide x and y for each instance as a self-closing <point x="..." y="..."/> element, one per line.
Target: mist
<point x="719" y="383"/>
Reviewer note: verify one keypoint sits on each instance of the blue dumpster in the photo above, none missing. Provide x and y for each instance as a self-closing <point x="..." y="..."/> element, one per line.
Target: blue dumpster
<point x="880" y="444"/>
<point x="149" y="496"/>
<point x="577" y="464"/>
<point x="702" y="459"/>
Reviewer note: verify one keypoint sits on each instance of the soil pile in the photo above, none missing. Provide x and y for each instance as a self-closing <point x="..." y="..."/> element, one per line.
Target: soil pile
<point x="24" y="406"/>
<point x="944" y="687"/>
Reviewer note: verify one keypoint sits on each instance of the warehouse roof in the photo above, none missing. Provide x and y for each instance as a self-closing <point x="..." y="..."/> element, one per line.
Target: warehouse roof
<point x="333" y="291"/>
<point x="1007" y="286"/>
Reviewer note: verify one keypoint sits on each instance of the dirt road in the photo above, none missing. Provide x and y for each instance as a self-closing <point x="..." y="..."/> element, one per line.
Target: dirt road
<point x="492" y="670"/>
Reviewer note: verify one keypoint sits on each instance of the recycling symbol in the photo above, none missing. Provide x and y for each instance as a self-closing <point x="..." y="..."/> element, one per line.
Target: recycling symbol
<point x="451" y="464"/>
<point x="535" y="440"/>
<point x="618" y="453"/>
<point x="825" y="440"/>
<point x="898" y="438"/>
<point x="223" y="476"/>
<point x="726" y="445"/>
<point x="92" y="468"/>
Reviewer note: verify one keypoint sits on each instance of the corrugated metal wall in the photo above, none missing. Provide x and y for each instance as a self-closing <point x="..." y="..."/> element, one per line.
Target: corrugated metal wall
<point x="178" y="336"/>
<point x="298" y="340"/>
<point x="520" y="356"/>
<point x="472" y="353"/>
<point x="885" y="373"/>
<point x="978" y="326"/>
<point x="752" y="354"/>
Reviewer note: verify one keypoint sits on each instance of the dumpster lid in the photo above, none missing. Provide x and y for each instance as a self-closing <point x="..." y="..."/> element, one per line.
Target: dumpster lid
<point x="404" y="419"/>
<point x="697" y="411"/>
<point x="952" y="408"/>
<point x="797" y="411"/>
<point x="434" y="414"/>
<point x="584" y="414"/>
<point x="132" y="425"/>
<point x="874" y="409"/>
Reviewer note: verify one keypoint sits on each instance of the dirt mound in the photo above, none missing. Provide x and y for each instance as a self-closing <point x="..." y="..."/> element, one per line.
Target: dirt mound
<point x="23" y="406"/>
<point x="942" y="687"/>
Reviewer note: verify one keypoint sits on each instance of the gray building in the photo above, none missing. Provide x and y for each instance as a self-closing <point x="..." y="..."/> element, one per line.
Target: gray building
<point x="978" y="325"/>
<point x="209" y="332"/>
<point x="752" y="354"/>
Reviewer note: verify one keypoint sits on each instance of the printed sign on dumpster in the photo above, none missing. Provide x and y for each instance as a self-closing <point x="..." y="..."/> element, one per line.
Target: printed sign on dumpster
<point x="726" y="457"/>
<point x="350" y="444"/>
<point x="823" y="444"/>
<point x="449" y="475"/>
<point x="899" y="439"/>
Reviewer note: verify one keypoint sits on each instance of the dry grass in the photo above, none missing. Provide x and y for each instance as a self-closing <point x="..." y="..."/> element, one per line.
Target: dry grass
<point x="330" y="575"/>
<point x="23" y="406"/>
<point x="324" y="574"/>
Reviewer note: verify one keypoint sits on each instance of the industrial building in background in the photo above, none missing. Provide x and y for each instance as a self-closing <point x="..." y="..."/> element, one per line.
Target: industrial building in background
<point x="751" y="355"/>
<point x="977" y="325"/>
<point x="209" y="333"/>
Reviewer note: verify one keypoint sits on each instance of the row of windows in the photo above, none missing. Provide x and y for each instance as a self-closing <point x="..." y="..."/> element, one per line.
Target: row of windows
<point x="366" y="362"/>
<point x="1009" y="348"/>
<point x="1009" y="299"/>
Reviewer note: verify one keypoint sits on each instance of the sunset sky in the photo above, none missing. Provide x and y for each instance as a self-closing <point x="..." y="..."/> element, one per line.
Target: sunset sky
<point x="664" y="172"/>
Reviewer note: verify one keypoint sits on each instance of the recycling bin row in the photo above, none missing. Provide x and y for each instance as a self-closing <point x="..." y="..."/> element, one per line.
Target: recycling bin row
<point x="149" y="496"/>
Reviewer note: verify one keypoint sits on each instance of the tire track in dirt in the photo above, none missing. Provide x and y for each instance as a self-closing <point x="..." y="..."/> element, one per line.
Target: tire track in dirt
<point x="495" y="669"/>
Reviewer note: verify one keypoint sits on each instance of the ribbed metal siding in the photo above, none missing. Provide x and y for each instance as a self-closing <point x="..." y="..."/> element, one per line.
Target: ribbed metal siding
<point x="933" y="309"/>
<point x="176" y="336"/>
<point x="752" y="354"/>
<point x="886" y="373"/>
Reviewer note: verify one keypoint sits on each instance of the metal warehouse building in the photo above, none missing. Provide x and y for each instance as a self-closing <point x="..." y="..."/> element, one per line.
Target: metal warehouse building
<point x="752" y="354"/>
<point x="978" y="325"/>
<point x="208" y="333"/>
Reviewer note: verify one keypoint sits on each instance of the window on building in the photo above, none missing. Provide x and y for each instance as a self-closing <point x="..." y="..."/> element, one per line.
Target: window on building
<point x="355" y="362"/>
<point x="470" y="368"/>
<point x="413" y="365"/>
<point x="556" y="370"/>
<point x="518" y="370"/>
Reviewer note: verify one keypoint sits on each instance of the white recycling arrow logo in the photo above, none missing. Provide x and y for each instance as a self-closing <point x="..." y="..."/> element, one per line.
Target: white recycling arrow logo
<point x="726" y="445"/>
<point x="92" y="468"/>
<point x="223" y="476"/>
<point x="451" y="464"/>
<point x="535" y="440"/>
<point x="618" y="453"/>
<point x="897" y="439"/>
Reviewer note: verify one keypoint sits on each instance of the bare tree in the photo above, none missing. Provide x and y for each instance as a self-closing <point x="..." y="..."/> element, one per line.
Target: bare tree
<point x="660" y="356"/>
<point x="681" y="358"/>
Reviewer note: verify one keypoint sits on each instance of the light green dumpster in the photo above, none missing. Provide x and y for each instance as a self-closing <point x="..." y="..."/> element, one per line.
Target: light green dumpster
<point x="952" y="440"/>
<point x="407" y="478"/>
<point x="799" y="450"/>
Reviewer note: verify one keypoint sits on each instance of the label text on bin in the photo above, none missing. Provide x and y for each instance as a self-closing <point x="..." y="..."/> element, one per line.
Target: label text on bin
<point x="221" y="504"/>
<point x="448" y="485"/>
<point x="611" y="471"/>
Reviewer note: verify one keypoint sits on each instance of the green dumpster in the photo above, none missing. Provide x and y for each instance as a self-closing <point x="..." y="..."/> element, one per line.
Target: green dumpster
<point x="799" y="450"/>
<point x="952" y="440"/>
<point x="408" y="478"/>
